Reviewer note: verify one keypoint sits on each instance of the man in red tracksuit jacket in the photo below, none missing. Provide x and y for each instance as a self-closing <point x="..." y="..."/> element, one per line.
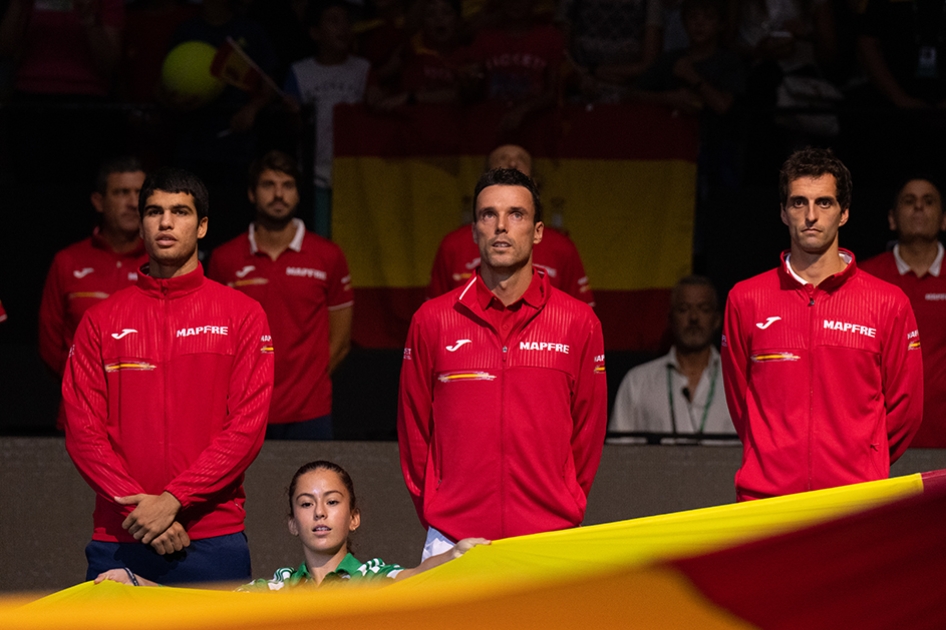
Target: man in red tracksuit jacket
<point x="916" y="265"/>
<point x="166" y="391"/>
<point x="503" y="396"/>
<point x="821" y="361"/>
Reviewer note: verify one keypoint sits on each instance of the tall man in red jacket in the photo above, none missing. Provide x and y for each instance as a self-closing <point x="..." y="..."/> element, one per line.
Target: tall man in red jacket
<point x="821" y="361"/>
<point x="503" y="397"/>
<point x="166" y="391"/>
<point x="916" y="265"/>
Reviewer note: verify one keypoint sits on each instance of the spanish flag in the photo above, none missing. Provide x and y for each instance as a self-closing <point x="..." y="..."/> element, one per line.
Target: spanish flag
<point x="620" y="180"/>
<point x="868" y="556"/>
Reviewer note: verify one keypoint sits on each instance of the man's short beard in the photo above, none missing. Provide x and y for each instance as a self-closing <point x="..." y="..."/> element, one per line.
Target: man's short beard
<point x="274" y="223"/>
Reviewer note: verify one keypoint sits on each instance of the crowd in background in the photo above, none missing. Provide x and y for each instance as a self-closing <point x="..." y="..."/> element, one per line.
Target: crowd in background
<point x="82" y="80"/>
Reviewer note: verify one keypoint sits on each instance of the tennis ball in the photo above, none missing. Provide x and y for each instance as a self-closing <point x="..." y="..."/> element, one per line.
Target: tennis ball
<point x="186" y="73"/>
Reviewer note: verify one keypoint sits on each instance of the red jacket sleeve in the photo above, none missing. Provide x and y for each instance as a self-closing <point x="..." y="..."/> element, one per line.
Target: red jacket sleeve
<point x="902" y="366"/>
<point x="52" y="322"/>
<point x="237" y="445"/>
<point x="415" y="414"/>
<point x="84" y="394"/>
<point x="735" y="360"/>
<point x="590" y="409"/>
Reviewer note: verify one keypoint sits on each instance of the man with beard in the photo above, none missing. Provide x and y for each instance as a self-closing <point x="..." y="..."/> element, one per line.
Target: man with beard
<point x="680" y="393"/>
<point x="915" y="265"/>
<point x="302" y="281"/>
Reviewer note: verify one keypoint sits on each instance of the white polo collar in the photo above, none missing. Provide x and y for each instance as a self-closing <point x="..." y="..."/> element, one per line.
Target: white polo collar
<point x="295" y="245"/>
<point x="935" y="268"/>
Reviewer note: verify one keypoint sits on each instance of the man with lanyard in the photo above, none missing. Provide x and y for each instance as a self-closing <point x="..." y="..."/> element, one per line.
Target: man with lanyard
<point x="680" y="394"/>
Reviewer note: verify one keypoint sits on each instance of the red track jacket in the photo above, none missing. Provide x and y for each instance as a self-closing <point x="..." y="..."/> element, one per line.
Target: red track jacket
<point x="167" y="387"/>
<point x="824" y="384"/>
<point x="502" y="439"/>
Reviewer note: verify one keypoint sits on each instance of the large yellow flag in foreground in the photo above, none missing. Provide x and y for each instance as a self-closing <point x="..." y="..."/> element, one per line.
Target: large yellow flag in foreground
<point x="748" y="565"/>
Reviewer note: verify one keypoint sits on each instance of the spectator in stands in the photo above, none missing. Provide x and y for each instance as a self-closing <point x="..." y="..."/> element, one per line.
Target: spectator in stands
<point x="680" y="394"/>
<point x="150" y="26"/>
<point x="700" y="78"/>
<point x="333" y="76"/>
<point x="63" y="48"/>
<point x="519" y="61"/>
<point x="431" y="62"/>
<point x="302" y="281"/>
<point x="915" y="265"/>
<point x="793" y="33"/>
<point x="708" y="81"/>
<point x="902" y="46"/>
<point x="219" y="139"/>
<point x="382" y="36"/>
<point x="791" y="51"/>
<point x="87" y="272"/>
<point x="458" y="257"/>
<point x="611" y="43"/>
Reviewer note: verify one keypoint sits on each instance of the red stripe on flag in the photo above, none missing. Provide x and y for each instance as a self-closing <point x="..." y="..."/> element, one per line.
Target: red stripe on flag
<point x="605" y="132"/>
<point x="881" y="569"/>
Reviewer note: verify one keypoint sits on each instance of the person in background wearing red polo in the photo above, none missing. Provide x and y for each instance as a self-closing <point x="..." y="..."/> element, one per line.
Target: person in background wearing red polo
<point x="303" y="283"/>
<point x="915" y="265"/>
<point x="87" y="272"/>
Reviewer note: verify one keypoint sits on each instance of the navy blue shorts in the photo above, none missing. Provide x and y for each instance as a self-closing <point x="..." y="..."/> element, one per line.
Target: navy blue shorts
<point x="217" y="559"/>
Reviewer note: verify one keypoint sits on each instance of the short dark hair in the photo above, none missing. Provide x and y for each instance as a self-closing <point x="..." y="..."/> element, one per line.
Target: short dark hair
<point x="508" y="177"/>
<point x="274" y="160"/>
<point x="315" y="9"/>
<point x="176" y="180"/>
<point x="814" y="162"/>
<point x="695" y="281"/>
<point x="918" y="176"/>
<point x="121" y="164"/>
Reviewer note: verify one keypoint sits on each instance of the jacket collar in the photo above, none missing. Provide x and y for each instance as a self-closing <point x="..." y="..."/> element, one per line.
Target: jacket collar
<point x="476" y="296"/>
<point x="170" y="288"/>
<point x="791" y="280"/>
<point x="295" y="244"/>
